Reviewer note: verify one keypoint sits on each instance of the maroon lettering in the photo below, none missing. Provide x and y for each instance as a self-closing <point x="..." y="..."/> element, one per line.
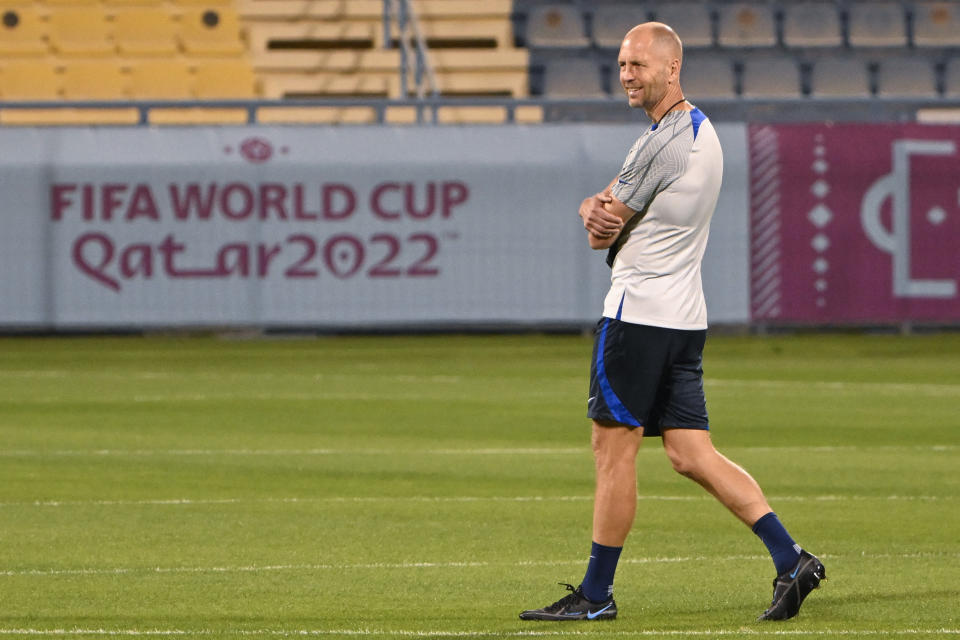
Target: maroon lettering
<point x="383" y="269"/>
<point x="192" y="201"/>
<point x="343" y="254"/>
<point x="168" y="249"/>
<point x="87" y="192"/>
<point x="299" y="210"/>
<point x="376" y="203"/>
<point x="265" y="256"/>
<point x="111" y="199"/>
<point x="338" y="194"/>
<point x="137" y="259"/>
<point x="95" y="269"/>
<point x="234" y="259"/>
<point x="410" y="200"/>
<point x="422" y="266"/>
<point x="228" y="201"/>
<point x="452" y="195"/>
<point x="142" y="204"/>
<point x="273" y="198"/>
<point x="60" y="199"/>
<point x="298" y="269"/>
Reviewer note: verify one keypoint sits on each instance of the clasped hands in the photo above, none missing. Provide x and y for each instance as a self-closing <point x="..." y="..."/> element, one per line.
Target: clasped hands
<point x="596" y="219"/>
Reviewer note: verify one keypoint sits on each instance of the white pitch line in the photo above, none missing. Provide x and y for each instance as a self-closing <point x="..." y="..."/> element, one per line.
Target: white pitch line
<point x="488" y="451"/>
<point x="934" y="389"/>
<point x="417" y="633"/>
<point x="380" y="566"/>
<point x="177" y="502"/>
<point x="492" y="451"/>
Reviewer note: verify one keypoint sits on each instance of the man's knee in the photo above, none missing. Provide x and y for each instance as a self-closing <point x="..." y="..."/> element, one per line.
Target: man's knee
<point x="614" y="444"/>
<point x="688" y="458"/>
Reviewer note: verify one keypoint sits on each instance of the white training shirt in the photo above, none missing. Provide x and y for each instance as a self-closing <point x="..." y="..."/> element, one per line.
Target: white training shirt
<point x="671" y="178"/>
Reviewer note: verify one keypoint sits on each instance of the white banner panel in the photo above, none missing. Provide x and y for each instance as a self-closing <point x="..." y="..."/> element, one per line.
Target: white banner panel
<point x="336" y="227"/>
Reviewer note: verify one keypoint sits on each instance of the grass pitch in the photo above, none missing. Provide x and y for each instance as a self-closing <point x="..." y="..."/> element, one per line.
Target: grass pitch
<point x="436" y="486"/>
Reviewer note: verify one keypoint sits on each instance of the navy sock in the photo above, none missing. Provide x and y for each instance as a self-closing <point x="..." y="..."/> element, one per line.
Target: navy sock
<point x="598" y="582"/>
<point x="784" y="551"/>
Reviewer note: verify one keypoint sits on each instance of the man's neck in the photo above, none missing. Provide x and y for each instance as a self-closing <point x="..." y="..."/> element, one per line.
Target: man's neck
<point x="672" y="100"/>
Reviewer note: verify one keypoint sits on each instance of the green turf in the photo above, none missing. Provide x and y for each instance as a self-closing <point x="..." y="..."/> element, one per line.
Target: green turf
<point x="398" y="487"/>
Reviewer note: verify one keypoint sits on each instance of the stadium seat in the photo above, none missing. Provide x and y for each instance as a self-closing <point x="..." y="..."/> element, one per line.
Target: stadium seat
<point x="612" y="21"/>
<point x="94" y="80"/>
<point x="936" y="24"/>
<point x="771" y="77"/>
<point x="225" y="79"/>
<point x="161" y="80"/>
<point x="81" y="31"/>
<point x="691" y="21"/>
<point x="572" y="78"/>
<point x="877" y="24"/>
<point x="841" y="77"/>
<point x="744" y="24"/>
<point x="22" y="33"/>
<point x="203" y="3"/>
<point x="906" y="77"/>
<point x="111" y="4"/>
<point x="145" y="31"/>
<point x="29" y="79"/>
<point x="706" y="76"/>
<point x="812" y="24"/>
<point x="556" y="25"/>
<point x="211" y="32"/>
<point x="951" y="79"/>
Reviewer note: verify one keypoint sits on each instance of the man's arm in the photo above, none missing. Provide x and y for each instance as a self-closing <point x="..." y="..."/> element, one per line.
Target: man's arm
<point x="596" y="219"/>
<point x="613" y="210"/>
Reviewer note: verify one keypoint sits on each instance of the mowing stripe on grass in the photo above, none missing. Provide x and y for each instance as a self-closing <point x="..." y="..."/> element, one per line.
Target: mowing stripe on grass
<point x="488" y="451"/>
<point x="178" y="502"/>
<point x="408" y="633"/>
<point x="119" y="571"/>
<point x="441" y="499"/>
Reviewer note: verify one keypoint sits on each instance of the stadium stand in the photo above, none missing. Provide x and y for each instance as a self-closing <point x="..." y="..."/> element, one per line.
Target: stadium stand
<point x="936" y="24"/>
<point x="812" y="24"/>
<point x="161" y="80"/>
<point x="145" y="31"/>
<point x="692" y="19"/>
<point x="738" y="52"/>
<point x="771" y="77"/>
<point x="211" y="32"/>
<point x="951" y="79"/>
<point x="906" y="77"/>
<point x="611" y="21"/>
<point x="94" y="79"/>
<point x="877" y="24"/>
<point x="840" y="78"/>
<point x="708" y="76"/>
<point x="572" y="78"/>
<point x="746" y="25"/>
<point x="556" y="25"/>
<point x="81" y="31"/>
<point x="22" y="32"/>
<point x="29" y="79"/>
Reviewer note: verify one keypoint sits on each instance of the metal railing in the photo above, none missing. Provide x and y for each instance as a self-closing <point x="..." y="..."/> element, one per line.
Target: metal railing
<point x="402" y="16"/>
<point x="613" y="109"/>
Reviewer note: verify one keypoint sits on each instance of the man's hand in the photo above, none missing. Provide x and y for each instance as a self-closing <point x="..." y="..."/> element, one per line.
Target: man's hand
<point x="597" y="220"/>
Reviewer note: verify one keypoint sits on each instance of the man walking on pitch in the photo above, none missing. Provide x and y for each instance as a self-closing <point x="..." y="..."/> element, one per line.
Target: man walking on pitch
<point x="646" y="377"/>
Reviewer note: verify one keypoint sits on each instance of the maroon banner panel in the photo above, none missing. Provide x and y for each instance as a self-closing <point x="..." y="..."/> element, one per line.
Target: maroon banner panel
<point x="854" y="223"/>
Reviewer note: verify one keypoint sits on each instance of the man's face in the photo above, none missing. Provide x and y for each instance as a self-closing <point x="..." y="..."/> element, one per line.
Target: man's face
<point x="644" y="72"/>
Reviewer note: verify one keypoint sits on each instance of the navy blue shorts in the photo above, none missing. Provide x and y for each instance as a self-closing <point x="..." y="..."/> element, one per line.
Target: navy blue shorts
<point x="649" y="377"/>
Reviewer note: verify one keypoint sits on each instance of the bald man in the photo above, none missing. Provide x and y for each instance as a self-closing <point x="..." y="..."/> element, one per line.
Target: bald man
<point x="646" y="376"/>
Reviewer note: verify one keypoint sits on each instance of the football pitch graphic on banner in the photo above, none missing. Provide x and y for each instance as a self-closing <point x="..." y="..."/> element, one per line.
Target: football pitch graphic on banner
<point x="855" y="223"/>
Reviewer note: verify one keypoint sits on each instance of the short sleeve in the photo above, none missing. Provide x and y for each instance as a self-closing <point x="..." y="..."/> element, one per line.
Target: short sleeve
<point x="653" y="163"/>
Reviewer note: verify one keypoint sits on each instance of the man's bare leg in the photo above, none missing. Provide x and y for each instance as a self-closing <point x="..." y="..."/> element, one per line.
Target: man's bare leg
<point x="615" y="450"/>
